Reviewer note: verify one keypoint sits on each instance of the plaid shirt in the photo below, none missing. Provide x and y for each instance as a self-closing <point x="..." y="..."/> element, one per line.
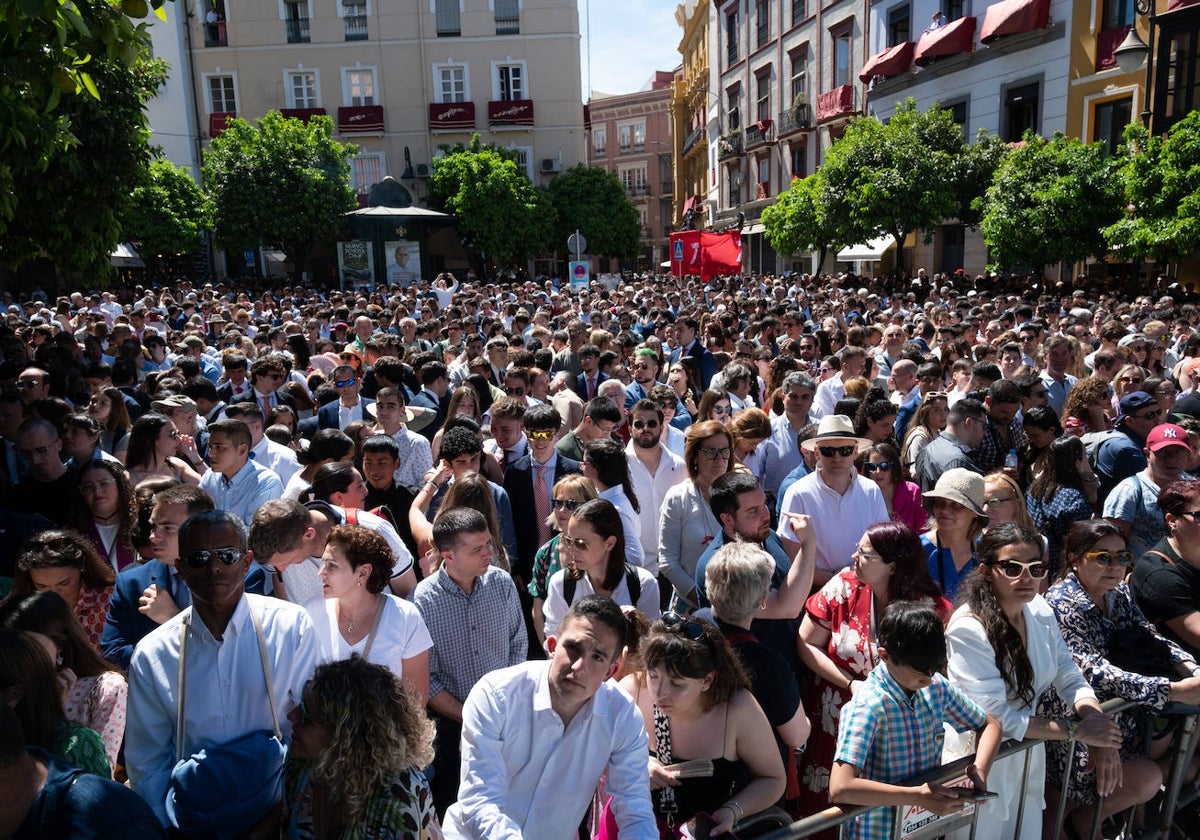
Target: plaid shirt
<point x="990" y="454"/>
<point x="891" y="736"/>
<point x="472" y="634"/>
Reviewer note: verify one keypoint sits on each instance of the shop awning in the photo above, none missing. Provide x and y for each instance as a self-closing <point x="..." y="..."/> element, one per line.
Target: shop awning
<point x="691" y="202"/>
<point x="1011" y="17"/>
<point x="951" y="39"/>
<point x="870" y="251"/>
<point x="124" y="256"/>
<point x="891" y="62"/>
<point x="752" y="229"/>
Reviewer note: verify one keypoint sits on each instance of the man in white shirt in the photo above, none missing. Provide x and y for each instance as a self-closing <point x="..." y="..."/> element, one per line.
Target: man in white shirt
<point x="224" y="671"/>
<point x="416" y="454"/>
<point x="653" y="470"/>
<point x="274" y="456"/>
<point x="536" y="738"/>
<point x="854" y="361"/>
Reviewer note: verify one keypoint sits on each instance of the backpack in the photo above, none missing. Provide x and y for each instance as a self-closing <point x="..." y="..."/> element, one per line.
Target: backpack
<point x="1092" y="442"/>
<point x="382" y="512"/>
<point x="632" y="582"/>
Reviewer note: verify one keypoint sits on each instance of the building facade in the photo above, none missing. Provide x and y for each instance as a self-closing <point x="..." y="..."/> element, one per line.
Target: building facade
<point x="694" y="116"/>
<point x="631" y="137"/>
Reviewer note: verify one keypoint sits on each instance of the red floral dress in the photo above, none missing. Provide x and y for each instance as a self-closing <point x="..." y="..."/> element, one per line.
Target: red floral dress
<point x="91" y="609"/>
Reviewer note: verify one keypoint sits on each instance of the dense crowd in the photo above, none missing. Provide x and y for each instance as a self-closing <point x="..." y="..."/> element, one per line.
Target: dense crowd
<point x="509" y="559"/>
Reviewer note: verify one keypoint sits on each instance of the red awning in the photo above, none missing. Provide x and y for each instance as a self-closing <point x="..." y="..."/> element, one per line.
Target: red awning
<point x="451" y="115"/>
<point x="304" y="114"/>
<point x="690" y="203"/>
<point x="361" y="119"/>
<point x="951" y="39"/>
<point x="835" y="103"/>
<point x="891" y="62"/>
<point x="218" y="122"/>
<point x="510" y="112"/>
<point x="1011" y="17"/>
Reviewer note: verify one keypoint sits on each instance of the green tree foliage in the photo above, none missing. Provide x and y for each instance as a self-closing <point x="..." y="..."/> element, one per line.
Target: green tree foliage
<point x="592" y="200"/>
<point x="76" y="74"/>
<point x="895" y="177"/>
<point x="798" y="220"/>
<point x="973" y="172"/>
<point x="500" y="214"/>
<point x="1050" y="202"/>
<point x="282" y="183"/>
<point x="1161" y="182"/>
<point x="167" y="213"/>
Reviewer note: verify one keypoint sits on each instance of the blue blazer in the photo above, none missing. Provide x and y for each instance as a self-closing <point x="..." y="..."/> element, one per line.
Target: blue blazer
<point x="518" y="483"/>
<point x="125" y="626"/>
<point x="327" y="416"/>
<point x="581" y="384"/>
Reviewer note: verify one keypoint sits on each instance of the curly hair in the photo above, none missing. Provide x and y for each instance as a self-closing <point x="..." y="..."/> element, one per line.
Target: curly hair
<point x="127" y="506"/>
<point x="1012" y="659"/>
<point x="1082" y="399"/>
<point x="362" y="546"/>
<point x="672" y="648"/>
<point x="377" y="730"/>
<point x="59" y="548"/>
<point x="870" y="411"/>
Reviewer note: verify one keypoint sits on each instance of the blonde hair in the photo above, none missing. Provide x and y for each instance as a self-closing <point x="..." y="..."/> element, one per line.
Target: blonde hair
<point x="575" y="483"/>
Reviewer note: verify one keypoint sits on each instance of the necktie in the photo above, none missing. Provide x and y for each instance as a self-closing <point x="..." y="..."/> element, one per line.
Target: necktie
<point x="541" y="503"/>
<point x="591" y="382"/>
<point x="266" y="406"/>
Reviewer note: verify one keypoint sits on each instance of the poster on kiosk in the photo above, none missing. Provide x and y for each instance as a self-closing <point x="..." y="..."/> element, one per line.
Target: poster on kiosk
<point x="706" y="254"/>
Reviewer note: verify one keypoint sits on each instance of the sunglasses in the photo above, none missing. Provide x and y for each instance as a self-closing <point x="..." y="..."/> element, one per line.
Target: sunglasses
<point x="539" y="435"/>
<point x="1107" y="558"/>
<point x="687" y="627"/>
<point x="566" y="504"/>
<point x="200" y="558"/>
<point x="344" y="383"/>
<point x="998" y="500"/>
<point x="843" y="451"/>
<point x="645" y="424"/>
<point x="713" y="453"/>
<point x="882" y="466"/>
<point x="720" y="409"/>
<point x="574" y="543"/>
<point x="1013" y="569"/>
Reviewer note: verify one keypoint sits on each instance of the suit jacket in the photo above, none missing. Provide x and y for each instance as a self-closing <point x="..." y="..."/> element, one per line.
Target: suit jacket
<point x="328" y="415"/>
<point x="518" y="483"/>
<point x="248" y="396"/>
<point x="581" y="384"/>
<point x="706" y="363"/>
<point x="425" y="399"/>
<point x="225" y="391"/>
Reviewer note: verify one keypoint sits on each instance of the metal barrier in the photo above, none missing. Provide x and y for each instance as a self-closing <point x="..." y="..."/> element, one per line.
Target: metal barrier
<point x="1183" y="751"/>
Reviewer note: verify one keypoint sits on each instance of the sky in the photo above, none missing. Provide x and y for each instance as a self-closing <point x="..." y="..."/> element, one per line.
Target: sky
<point x="629" y="40"/>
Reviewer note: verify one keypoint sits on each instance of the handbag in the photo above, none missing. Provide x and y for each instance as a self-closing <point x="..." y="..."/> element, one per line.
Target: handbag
<point x="225" y="789"/>
<point x="1140" y="651"/>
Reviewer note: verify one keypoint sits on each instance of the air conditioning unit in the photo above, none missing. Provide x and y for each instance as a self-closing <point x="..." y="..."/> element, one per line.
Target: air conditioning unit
<point x="551" y="165"/>
<point x="423" y="170"/>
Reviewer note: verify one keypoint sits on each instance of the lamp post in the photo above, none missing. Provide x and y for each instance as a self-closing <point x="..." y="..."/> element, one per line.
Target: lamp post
<point x="1133" y="51"/>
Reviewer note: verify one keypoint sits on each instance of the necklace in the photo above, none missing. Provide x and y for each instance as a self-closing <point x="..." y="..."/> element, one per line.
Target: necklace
<point x="350" y="622"/>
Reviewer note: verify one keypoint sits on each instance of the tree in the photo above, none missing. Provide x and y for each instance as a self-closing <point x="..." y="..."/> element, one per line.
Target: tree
<point x="1050" y="202"/>
<point x="798" y="221"/>
<point x="1160" y="179"/>
<point x="73" y="130"/>
<point x="282" y="183"/>
<point x="593" y="201"/>
<point x="893" y="178"/>
<point x="167" y="213"/>
<point x="501" y="217"/>
<point x="974" y="170"/>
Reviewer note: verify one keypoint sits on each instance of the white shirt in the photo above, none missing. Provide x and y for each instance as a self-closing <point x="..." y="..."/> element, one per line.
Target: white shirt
<point x="226" y="691"/>
<point x="633" y="526"/>
<point x="348" y="414"/>
<point x="839" y="520"/>
<point x="278" y="458"/>
<point x="401" y="635"/>
<point x="556" y="604"/>
<point x="827" y="396"/>
<point x="651" y="490"/>
<point x="525" y="775"/>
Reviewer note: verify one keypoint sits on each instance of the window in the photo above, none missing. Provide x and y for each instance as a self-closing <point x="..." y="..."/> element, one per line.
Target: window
<point x="956" y="9"/>
<point x="799" y="82"/>
<point x="764" y="177"/>
<point x="1116" y="13"/>
<point x="452" y="83"/>
<point x="762" y="99"/>
<point x="841" y="58"/>
<point x="634" y="180"/>
<point x="295" y="18"/>
<point x="302" y="89"/>
<point x="215" y="34"/>
<point x="762" y="16"/>
<point x="731" y="37"/>
<point x="799" y="11"/>
<point x="368" y="171"/>
<point x="639" y="137"/>
<point x="510" y="80"/>
<point x="221" y="95"/>
<point x="524" y="156"/>
<point x="446" y="16"/>
<point x="734" y="109"/>
<point x="1111" y="119"/>
<point x="1020" y="110"/>
<point x="508" y="17"/>
<point x="899" y="24"/>
<point x="799" y="160"/>
<point x="625" y="138"/>
<point x="354" y="19"/>
<point x="600" y="142"/>
<point x="360" y="87"/>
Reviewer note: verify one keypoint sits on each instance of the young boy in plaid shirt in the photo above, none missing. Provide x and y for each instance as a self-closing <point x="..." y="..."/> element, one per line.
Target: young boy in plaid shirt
<point x="891" y="730"/>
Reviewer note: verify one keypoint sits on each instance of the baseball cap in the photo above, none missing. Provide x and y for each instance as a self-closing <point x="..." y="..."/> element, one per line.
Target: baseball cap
<point x="1167" y="434"/>
<point x="169" y="404"/>
<point x="1135" y="402"/>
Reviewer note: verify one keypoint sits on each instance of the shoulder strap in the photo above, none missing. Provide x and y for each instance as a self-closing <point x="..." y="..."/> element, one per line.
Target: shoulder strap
<point x="351" y="516"/>
<point x="633" y="583"/>
<point x="1169" y="561"/>
<point x="568" y="588"/>
<point x="374" y="626"/>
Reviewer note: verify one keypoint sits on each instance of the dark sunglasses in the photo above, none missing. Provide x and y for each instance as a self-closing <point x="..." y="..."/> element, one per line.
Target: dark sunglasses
<point x="1107" y="558"/>
<point x="645" y="424"/>
<point x="844" y="451"/>
<point x="687" y="627"/>
<point x="567" y="504"/>
<point x="200" y="558"/>
<point x="883" y="466"/>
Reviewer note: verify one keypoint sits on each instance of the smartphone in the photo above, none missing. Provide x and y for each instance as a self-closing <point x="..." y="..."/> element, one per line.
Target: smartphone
<point x="975" y="795"/>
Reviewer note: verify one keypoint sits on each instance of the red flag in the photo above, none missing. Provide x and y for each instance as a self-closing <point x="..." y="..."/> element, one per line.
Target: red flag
<point x="685" y="253"/>
<point x="722" y="253"/>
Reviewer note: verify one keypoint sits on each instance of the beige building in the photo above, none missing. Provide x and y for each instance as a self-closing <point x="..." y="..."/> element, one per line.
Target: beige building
<point x="401" y="78"/>
<point x="631" y="137"/>
<point x="694" y="115"/>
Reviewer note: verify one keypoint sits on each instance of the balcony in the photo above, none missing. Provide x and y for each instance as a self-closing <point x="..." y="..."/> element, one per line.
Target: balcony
<point x="1107" y="42"/>
<point x="729" y="145"/>
<point x="297" y="30"/>
<point x="511" y="112"/>
<point x="758" y="134"/>
<point x="302" y="114"/>
<point x="692" y="138"/>
<point x="639" y="147"/>
<point x="600" y="152"/>
<point x="836" y="103"/>
<point x="218" y="121"/>
<point x="639" y="191"/>
<point x="361" y="119"/>
<point x="451" y="116"/>
<point x="215" y="34"/>
<point x="355" y="27"/>
<point x="796" y="118"/>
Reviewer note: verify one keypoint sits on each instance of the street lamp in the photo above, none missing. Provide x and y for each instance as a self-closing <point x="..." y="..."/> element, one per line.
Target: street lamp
<point x="1133" y="51"/>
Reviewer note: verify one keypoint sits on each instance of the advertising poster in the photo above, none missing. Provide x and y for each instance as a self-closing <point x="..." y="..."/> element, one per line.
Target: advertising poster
<point x="403" y="262"/>
<point x="356" y="264"/>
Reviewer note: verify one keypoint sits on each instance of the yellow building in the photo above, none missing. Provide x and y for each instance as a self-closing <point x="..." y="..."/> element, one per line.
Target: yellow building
<point x="693" y="113"/>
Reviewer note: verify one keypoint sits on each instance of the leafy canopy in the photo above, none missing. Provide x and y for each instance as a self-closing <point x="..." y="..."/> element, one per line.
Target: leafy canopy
<point x="798" y="221"/>
<point x="592" y="200"/>
<point x="168" y="211"/>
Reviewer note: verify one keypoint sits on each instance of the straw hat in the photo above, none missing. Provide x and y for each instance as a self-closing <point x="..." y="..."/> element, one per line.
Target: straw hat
<point x="833" y="430"/>
<point x="959" y="485"/>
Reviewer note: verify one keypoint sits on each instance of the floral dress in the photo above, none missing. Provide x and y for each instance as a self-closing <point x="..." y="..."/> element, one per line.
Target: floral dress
<point x="545" y="564"/>
<point x="91" y="609"/>
<point x="99" y="703"/>
<point x="403" y="810"/>
<point x="1088" y="631"/>
<point x="1053" y="517"/>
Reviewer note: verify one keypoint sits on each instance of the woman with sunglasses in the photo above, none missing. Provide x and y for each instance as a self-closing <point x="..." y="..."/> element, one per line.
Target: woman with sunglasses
<point x="153" y="451"/>
<point x="695" y="699"/>
<point x="592" y="554"/>
<point x="359" y="740"/>
<point x="927" y="423"/>
<point x="65" y="562"/>
<point x="838" y="641"/>
<point x="714" y="405"/>
<point x="1122" y="655"/>
<point x="568" y="494"/>
<point x="1004" y="502"/>
<point x="687" y="524"/>
<point x="1058" y="496"/>
<point x="109" y="511"/>
<point x="1128" y="379"/>
<point x="1006" y="651"/>
<point x="749" y="428"/>
<point x="902" y="497"/>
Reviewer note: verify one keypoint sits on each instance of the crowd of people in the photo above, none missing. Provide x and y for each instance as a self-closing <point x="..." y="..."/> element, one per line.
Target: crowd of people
<point x="516" y="559"/>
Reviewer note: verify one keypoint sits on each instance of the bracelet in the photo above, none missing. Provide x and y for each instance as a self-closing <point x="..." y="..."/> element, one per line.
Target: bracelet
<point x="740" y="812"/>
<point x="433" y="488"/>
<point x="1072" y="726"/>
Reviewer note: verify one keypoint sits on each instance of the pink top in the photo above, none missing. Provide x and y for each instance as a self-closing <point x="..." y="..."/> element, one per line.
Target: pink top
<point x="907" y="508"/>
<point x="99" y="703"/>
